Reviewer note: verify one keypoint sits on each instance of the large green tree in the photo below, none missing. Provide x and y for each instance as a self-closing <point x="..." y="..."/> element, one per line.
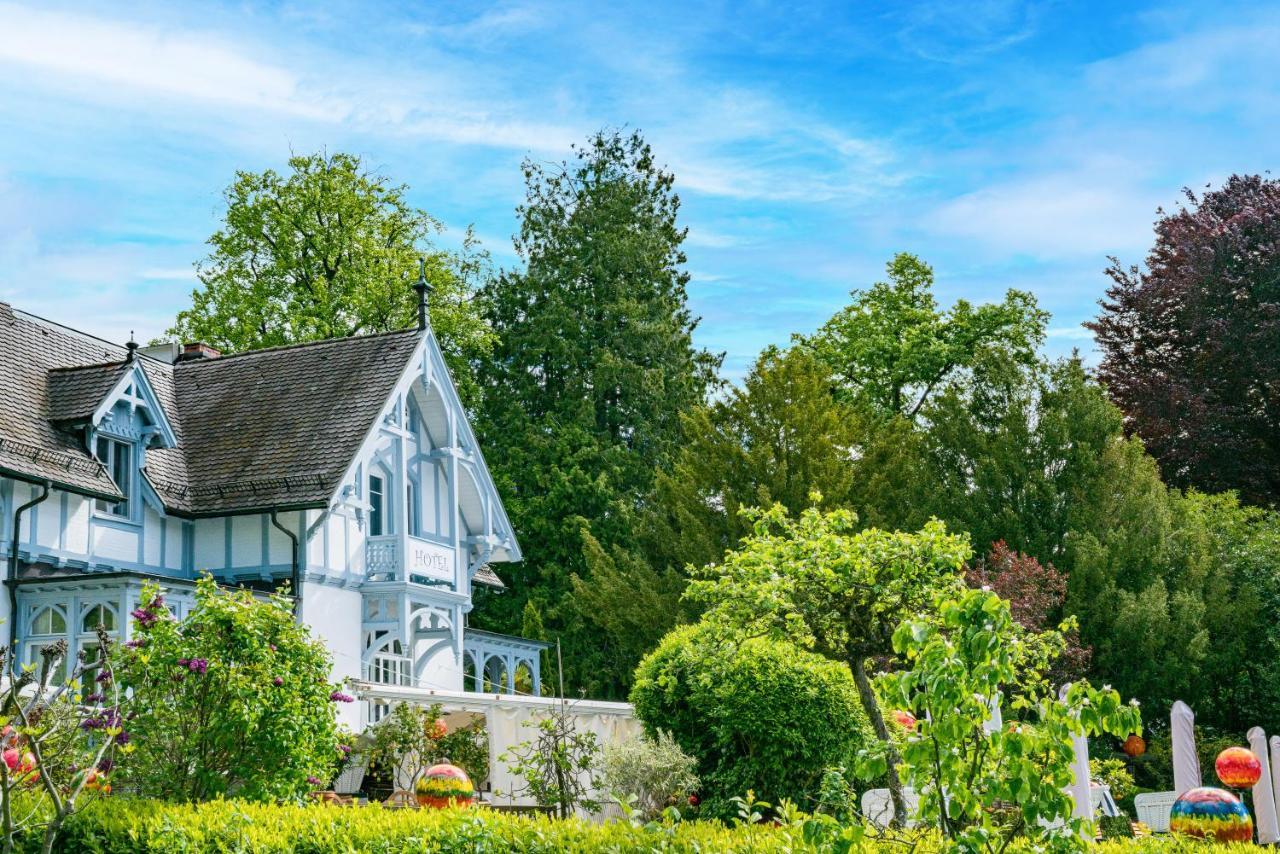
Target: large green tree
<point x="327" y="250"/>
<point x="593" y="367"/>
<point x="893" y="347"/>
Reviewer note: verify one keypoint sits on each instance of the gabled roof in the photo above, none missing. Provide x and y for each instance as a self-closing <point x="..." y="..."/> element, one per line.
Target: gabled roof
<point x="267" y="428"/>
<point x="32" y="447"/>
<point x="274" y="427"/>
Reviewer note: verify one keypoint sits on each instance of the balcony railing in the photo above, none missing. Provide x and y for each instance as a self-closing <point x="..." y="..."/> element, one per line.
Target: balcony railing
<point x="397" y="557"/>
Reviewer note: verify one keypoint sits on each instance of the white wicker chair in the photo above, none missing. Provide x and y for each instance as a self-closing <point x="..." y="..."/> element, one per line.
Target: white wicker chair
<point x="1153" y="809"/>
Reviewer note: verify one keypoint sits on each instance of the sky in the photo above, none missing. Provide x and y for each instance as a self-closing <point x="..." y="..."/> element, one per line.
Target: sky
<point x="1009" y="144"/>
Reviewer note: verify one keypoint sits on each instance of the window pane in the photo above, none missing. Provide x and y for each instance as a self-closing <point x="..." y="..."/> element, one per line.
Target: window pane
<point x="34" y="658"/>
<point x="121" y="474"/>
<point x="375" y="506"/>
<point x="100" y="615"/>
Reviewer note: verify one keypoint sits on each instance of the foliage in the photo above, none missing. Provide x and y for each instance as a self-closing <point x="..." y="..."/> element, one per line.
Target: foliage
<point x="584" y="389"/>
<point x="954" y="660"/>
<point x="1115" y="774"/>
<point x="836" y="796"/>
<point x="558" y="765"/>
<point x="1191" y="345"/>
<point x="648" y="773"/>
<point x="758" y="713"/>
<point x="892" y="347"/>
<point x="837" y="592"/>
<point x="776" y="439"/>
<point x="236" y="687"/>
<point x="60" y="739"/>
<point x="152" y="827"/>
<point x="412" y="737"/>
<point x="329" y="250"/>
<point x="1035" y="593"/>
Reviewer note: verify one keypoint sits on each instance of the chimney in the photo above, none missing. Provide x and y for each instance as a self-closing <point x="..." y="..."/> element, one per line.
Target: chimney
<point x="195" y="350"/>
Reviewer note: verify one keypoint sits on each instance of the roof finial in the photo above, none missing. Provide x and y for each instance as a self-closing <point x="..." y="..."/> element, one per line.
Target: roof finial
<point x="132" y="347"/>
<point x="423" y="287"/>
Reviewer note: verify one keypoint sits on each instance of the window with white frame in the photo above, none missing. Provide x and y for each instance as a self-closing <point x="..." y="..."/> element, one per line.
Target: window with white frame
<point x="117" y="456"/>
<point x="47" y="626"/>
<point x="377" y="506"/>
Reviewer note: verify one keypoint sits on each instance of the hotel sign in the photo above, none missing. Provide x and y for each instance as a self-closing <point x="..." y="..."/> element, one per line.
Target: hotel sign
<point x="429" y="558"/>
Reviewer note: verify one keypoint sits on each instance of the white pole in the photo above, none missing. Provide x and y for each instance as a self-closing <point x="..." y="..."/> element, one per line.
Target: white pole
<point x="1182" y="732"/>
<point x="1264" y="800"/>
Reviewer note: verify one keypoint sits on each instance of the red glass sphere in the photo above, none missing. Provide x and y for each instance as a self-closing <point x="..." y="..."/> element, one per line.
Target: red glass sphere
<point x="1238" y="768"/>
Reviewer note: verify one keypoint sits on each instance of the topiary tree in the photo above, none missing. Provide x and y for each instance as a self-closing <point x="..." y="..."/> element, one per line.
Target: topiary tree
<point x="759" y="714"/>
<point x="834" y="590"/>
<point x="237" y="699"/>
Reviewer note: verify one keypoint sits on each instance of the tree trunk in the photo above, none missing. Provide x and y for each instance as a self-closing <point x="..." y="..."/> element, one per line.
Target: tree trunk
<point x="867" y="695"/>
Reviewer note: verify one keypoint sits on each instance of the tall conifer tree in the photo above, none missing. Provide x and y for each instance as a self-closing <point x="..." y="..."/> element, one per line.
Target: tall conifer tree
<point x="594" y="365"/>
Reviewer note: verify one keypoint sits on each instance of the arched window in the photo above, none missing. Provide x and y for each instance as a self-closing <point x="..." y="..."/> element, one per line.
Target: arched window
<point x="48" y="621"/>
<point x="99" y="615"/>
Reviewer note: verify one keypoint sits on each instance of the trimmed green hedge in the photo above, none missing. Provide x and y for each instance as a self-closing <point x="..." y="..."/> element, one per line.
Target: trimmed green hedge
<point x="126" y="826"/>
<point x="122" y="826"/>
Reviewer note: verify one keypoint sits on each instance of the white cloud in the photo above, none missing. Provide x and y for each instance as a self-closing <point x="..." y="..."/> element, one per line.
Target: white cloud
<point x="103" y="53"/>
<point x="1070" y="333"/>
<point x="1082" y="212"/>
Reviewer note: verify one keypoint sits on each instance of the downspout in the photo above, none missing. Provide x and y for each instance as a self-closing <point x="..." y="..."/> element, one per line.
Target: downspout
<point x="11" y="577"/>
<point x="296" y="565"/>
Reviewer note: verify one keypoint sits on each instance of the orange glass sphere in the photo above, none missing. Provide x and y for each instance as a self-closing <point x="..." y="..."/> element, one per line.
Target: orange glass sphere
<point x="1134" y="746"/>
<point x="1238" y="768"/>
<point x="904" y="719"/>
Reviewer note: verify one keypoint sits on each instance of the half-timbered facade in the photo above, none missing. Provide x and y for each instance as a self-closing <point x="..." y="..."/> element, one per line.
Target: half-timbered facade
<point x="345" y="467"/>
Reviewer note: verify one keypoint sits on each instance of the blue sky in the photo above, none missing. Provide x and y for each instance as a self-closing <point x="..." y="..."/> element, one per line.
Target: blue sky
<point x="1009" y="144"/>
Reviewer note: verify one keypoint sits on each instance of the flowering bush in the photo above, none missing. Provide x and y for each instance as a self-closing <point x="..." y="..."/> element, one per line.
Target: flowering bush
<point x="237" y="699"/>
<point x="412" y="737"/>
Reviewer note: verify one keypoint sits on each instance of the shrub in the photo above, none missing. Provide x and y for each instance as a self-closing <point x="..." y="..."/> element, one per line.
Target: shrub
<point x="236" y="699"/>
<point x="1115" y="774"/>
<point x="758" y="714"/>
<point x="119" y="826"/>
<point x="648" y="774"/>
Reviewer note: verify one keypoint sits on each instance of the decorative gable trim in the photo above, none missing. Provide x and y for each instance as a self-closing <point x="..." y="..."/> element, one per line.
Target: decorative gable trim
<point x="134" y="388"/>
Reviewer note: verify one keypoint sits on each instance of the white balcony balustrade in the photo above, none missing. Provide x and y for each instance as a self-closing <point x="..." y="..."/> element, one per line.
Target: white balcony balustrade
<point x="397" y="557"/>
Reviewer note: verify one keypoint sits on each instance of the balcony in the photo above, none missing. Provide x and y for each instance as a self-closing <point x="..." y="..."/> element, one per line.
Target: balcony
<point x="502" y="664"/>
<point x="400" y="557"/>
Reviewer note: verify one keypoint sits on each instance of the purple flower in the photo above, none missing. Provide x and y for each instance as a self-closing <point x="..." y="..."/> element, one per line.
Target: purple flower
<point x="122" y="737"/>
<point x="339" y="697"/>
<point x="271" y="647"/>
<point x="198" y="665"/>
<point x="135" y="643"/>
<point x="182" y="662"/>
<point x="94" y="698"/>
<point x="106" y="764"/>
<point x="344" y="749"/>
<point x="277" y="682"/>
<point x="315" y="781"/>
<point x="146" y="619"/>
<point x="104" y="676"/>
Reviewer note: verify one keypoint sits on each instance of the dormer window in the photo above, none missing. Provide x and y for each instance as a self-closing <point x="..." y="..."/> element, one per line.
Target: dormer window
<point x="117" y="456"/>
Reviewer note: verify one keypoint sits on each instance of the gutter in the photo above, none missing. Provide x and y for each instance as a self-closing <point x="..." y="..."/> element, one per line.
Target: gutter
<point x="295" y="580"/>
<point x="11" y="577"/>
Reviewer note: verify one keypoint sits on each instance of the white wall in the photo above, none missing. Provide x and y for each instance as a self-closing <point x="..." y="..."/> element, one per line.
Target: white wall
<point x="334" y="617"/>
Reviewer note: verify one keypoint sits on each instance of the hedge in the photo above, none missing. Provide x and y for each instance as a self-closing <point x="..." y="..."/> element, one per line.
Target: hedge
<point x="124" y="826"/>
<point x="129" y="826"/>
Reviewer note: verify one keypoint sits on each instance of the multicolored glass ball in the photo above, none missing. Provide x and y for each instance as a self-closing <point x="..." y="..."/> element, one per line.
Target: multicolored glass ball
<point x="445" y="785"/>
<point x="1209" y="813"/>
<point x="1238" y="768"/>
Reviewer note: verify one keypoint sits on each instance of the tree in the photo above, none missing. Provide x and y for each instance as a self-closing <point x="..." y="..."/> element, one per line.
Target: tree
<point x="758" y="714"/>
<point x="837" y="592"/>
<point x="1017" y="454"/>
<point x="559" y="764"/>
<point x="60" y="739"/>
<point x="779" y="437"/>
<point x="1035" y="593"/>
<point x="330" y="250"/>
<point x="594" y="365"/>
<point x="236" y="687"/>
<point x="983" y="789"/>
<point x="892" y="347"/>
<point x="1191" y="345"/>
